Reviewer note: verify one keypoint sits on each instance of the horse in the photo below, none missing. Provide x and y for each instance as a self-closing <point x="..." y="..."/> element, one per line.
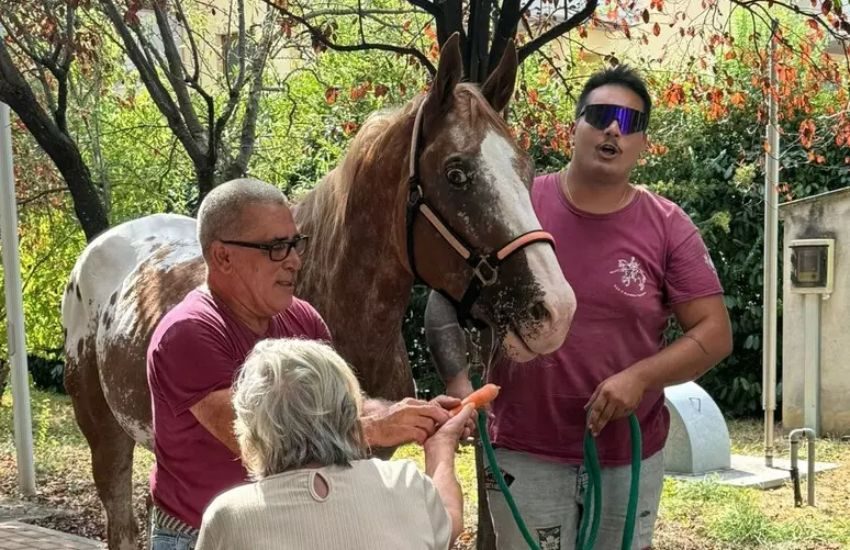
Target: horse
<point x="437" y="190"/>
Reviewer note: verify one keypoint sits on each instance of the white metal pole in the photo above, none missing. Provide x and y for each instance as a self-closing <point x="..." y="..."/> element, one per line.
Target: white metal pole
<point x="15" y="309"/>
<point x="811" y="363"/>
<point x="771" y="243"/>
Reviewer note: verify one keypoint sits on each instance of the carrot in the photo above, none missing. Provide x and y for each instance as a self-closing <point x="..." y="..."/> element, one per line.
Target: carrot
<point x="479" y="398"/>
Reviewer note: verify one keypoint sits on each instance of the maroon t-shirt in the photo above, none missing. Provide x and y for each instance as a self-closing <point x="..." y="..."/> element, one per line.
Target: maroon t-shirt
<point x="196" y="349"/>
<point x="627" y="268"/>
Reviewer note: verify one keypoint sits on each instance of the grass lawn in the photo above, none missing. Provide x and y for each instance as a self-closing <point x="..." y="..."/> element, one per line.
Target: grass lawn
<point x="697" y="516"/>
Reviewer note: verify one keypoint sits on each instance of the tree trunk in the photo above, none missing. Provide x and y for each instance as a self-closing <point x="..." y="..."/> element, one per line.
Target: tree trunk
<point x="478" y="41"/>
<point x="16" y="92"/>
<point x="88" y="205"/>
<point x="206" y="182"/>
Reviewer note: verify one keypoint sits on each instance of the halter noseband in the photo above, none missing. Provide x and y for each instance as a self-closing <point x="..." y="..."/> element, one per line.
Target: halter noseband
<point x="485" y="267"/>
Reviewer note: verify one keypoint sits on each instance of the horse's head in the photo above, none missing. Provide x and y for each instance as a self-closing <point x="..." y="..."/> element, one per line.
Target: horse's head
<point x="472" y="231"/>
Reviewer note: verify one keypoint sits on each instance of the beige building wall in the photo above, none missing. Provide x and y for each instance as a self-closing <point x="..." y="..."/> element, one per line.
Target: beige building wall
<point x="225" y="26"/>
<point x="668" y="49"/>
<point x="822" y="216"/>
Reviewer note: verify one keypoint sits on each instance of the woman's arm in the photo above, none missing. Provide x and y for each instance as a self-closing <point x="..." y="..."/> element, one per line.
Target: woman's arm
<point x="440" y="466"/>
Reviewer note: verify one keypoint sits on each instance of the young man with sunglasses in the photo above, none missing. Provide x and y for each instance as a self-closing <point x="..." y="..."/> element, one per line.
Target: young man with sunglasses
<point x="633" y="259"/>
<point x="252" y="253"/>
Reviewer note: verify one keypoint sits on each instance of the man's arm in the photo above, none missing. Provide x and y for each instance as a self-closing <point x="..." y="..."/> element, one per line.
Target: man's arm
<point x="388" y="424"/>
<point x="215" y="413"/>
<point x="707" y="341"/>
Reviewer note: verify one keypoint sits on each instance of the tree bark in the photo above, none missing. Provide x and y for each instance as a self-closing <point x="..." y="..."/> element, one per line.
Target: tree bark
<point x="59" y="146"/>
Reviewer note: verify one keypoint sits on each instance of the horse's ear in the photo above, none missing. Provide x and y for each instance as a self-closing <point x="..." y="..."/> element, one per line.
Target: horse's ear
<point x="500" y="84"/>
<point x="449" y="73"/>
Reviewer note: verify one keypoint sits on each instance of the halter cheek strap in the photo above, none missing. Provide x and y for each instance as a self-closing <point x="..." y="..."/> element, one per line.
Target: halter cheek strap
<point x="485" y="267"/>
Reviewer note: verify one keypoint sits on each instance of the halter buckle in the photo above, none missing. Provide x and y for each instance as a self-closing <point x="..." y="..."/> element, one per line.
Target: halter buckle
<point x="415" y="196"/>
<point x="485" y="272"/>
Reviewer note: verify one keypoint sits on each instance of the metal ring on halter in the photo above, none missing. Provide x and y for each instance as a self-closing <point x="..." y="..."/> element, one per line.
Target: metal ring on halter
<point x="492" y="272"/>
<point x="415" y="196"/>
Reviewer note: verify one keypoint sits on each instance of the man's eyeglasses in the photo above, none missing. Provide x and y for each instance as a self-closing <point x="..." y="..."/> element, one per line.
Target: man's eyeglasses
<point x="278" y="250"/>
<point x="601" y="116"/>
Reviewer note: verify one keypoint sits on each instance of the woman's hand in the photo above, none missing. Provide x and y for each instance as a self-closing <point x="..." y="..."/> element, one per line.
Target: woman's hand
<point x="445" y="439"/>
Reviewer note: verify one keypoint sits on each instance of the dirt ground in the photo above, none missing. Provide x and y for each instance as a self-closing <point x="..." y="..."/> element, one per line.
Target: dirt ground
<point x="67" y="500"/>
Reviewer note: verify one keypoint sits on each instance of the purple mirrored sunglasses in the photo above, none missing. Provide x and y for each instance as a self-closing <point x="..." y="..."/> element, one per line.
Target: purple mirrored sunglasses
<point x="600" y="116"/>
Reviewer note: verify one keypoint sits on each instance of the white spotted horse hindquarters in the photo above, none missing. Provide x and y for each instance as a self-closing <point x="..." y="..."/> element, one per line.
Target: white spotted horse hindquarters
<point x="96" y="331"/>
<point x="111" y="447"/>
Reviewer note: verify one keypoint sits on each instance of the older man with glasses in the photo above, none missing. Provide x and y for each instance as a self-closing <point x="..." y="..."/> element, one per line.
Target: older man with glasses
<point x="252" y="251"/>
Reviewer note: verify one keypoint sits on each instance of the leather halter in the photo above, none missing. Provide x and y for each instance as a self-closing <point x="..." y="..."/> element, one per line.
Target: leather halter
<point x="485" y="266"/>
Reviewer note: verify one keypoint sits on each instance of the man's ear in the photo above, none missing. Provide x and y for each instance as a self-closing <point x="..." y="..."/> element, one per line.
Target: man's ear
<point x="220" y="258"/>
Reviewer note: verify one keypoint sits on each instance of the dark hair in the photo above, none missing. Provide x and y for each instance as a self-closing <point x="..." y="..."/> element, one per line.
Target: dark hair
<point x="621" y="75"/>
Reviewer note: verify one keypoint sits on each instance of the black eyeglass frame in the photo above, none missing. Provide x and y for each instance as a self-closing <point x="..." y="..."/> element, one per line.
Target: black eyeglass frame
<point x="298" y="243"/>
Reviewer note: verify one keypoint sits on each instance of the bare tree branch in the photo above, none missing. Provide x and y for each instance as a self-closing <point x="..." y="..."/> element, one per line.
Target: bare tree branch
<point x="842" y="34"/>
<point x="451" y="21"/>
<point x="428" y="7"/>
<point x="41" y="195"/>
<point x="176" y="72"/>
<point x="317" y="34"/>
<point x="157" y="90"/>
<point x="343" y="11"/>
<point x="239" y="166"/>
<point x="183" y="20"/>
<point x="557" y="30"/>
<point x="505" y="30"/>
<point x="16" y="34"/>
<point x="16" y="92"/>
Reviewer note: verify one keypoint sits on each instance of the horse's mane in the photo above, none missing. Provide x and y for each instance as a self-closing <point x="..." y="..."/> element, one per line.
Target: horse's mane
<point x="325" y="206"/>
<point x="379" y="139"/>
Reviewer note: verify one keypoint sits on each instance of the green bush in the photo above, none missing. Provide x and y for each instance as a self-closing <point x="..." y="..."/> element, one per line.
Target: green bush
<point x="47" y="372"/>
<point x="711" y="165"/>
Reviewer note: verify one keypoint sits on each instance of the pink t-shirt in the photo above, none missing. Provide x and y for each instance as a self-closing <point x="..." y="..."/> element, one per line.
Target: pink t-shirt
<point x="627" y="268"/>
<point x="196" y="349"/>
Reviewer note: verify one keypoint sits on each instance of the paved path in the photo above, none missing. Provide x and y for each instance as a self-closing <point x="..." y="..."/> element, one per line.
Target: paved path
<point x="15" y="535"/>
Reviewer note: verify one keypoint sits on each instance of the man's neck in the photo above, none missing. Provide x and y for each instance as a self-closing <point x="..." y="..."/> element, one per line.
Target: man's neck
<point x="257" y="325"/>
<point x="593" y="197"/>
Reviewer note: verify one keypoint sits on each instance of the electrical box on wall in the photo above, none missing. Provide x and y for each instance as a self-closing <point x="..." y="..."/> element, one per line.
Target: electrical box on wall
<point x="812" y="265"/>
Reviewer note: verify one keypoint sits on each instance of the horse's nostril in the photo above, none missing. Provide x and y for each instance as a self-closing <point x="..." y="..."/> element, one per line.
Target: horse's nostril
<point x="539" y="312"/>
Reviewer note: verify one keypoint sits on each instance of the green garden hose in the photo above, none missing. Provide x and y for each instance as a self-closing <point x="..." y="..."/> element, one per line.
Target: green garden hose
<point x="589" y="527"/>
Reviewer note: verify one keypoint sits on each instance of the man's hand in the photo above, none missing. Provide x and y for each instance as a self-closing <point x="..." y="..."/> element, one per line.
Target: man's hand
<point x="614" y="398"/>
<point x="403" y="422"/>
<point x="450" y="403"/>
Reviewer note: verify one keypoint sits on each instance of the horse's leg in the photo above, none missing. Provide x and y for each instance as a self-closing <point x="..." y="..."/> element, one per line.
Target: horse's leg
<point x="111" y="451"/>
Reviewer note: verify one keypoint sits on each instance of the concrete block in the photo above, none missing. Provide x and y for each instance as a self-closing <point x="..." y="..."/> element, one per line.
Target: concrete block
<point x="698" y="441"/>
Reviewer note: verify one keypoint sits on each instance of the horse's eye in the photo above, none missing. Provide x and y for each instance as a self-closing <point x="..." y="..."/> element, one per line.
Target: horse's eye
<point x="457" y="177"/>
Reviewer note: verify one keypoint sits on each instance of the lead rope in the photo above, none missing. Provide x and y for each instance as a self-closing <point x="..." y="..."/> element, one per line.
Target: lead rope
<point x="591" y="519"/>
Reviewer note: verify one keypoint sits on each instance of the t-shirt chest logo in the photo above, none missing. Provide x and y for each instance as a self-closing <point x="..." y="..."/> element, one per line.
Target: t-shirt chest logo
<point x="632" y="278"/>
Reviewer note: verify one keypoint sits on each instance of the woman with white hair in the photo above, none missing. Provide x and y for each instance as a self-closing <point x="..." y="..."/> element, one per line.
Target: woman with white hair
<point x="297" y="409"/>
